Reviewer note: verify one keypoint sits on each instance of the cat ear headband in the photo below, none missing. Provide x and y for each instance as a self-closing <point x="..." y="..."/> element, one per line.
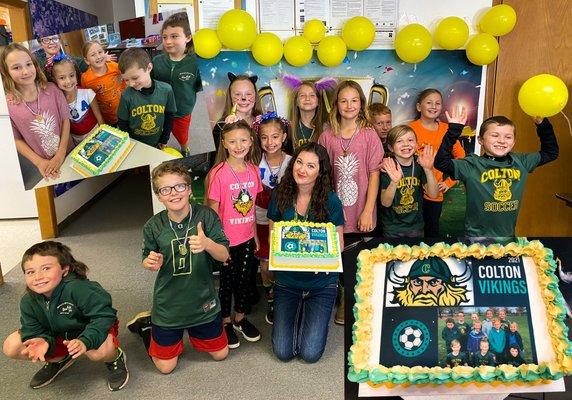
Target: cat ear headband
<point x="232" y="77"/>
<point x="294" y="82"/>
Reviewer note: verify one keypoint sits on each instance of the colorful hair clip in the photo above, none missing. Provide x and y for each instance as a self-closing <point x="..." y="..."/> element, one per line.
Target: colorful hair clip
<point x="270" y="115"/>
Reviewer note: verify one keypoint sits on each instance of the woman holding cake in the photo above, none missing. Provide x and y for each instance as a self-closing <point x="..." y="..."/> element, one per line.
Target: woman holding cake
<point x="303" y="301"/>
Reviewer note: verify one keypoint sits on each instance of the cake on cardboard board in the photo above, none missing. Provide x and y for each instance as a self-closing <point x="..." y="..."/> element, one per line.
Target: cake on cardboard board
<point x="405" y="294"/>
<point x="303" y="245"/>
<point x="102" y="151"/>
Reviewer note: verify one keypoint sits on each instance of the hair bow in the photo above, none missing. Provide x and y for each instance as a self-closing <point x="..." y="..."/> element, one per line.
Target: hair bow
<point x="269" y="116"/>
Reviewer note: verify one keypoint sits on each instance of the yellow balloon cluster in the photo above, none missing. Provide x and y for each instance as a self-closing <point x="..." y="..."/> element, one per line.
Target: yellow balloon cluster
<point x="413" y="43"/>
<point x="499" y="20"/>
<point x="298" y="51"/>
<point x="236" y="29"/>
<point x="451" y="33"/>
<point x="267" y="49"/>
<point x="358" y="33"/>
<point x="206" y="43"/>
<point x="332" y="51"/>
<point x="482" y="49"/>
<point x="314" y="30"/>
<point x="543" y="95"/>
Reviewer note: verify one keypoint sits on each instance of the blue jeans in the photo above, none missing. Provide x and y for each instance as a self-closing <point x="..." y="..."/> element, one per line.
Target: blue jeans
<point x="301" y="319"/>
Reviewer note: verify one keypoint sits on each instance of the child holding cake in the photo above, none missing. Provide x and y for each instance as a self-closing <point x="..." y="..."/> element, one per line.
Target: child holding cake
<point x="272" y="132"/>
<point x="104" y="78"/>
<point x="404" y="178"/>
<point x="147" y="106"/>
<point x="233" y="186"/>
<point x="494" y="181"/>
<point x="303" y="301"/>
<point x="64" y="315"/>
<point x="182" y="239"/>
<point x="178" y="67"/>
<point x="84" y="111"/>
<point x="38" y="111"/>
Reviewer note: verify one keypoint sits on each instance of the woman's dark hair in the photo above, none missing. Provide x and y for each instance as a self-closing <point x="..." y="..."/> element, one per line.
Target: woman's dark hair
<point x="59" y="251"/>
<point x="287" y="191"/>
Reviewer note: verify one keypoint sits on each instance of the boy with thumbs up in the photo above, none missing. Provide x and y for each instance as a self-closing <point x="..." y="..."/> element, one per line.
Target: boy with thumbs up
<point x="181" y="244"/>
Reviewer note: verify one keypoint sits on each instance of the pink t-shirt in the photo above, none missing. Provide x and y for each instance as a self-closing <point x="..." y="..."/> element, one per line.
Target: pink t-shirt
<point x="236" y="196"/>
<point x="351" y="173"/>
<point x="41" y="132"/>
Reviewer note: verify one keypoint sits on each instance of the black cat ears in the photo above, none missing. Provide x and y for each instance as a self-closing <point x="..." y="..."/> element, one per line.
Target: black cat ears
<point x="232" y="77"/>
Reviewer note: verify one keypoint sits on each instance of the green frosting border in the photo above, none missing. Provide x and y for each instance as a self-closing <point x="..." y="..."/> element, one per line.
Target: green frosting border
<point x="330" y="228"/>
<point x="556" y="314"/>
<point x="76" y="158"/>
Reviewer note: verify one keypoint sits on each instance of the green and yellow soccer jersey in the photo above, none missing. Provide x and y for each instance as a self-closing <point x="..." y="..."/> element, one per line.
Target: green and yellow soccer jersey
<point x="146" y="113"/>
<point x="184" y="293"/>
<point x="494" y="192"/>
<point x="488" y="359"/>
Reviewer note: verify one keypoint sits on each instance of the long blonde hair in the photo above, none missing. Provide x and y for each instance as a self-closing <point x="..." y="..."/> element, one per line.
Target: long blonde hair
<point x="8" y="82"/>
<point x="362" y="120"/>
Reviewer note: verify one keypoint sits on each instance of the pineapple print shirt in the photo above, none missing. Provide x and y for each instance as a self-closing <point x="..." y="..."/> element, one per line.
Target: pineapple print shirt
<point x="351" y="172"/>
<point x="41" y="134"/>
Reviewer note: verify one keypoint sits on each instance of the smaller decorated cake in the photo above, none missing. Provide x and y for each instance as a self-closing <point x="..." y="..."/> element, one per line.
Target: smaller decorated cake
<point x="102" y="151"/>
<point x="301" y="245"/>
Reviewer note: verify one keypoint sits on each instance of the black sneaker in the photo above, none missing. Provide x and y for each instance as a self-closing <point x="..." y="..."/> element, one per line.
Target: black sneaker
<point x="233" y="341"/>
<point x="50" y="371"/>
<point x="117" y="375"/>
<point x="140" y="321"/>
<point x="248" y="330"/>
<point x="269" y="317"/>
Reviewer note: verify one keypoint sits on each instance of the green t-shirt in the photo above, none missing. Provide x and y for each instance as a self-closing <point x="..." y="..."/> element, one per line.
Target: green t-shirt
<point x="456" y="360"/>
<point x="184" y="293"/>
<point x="146" y="114"/>
<point x="406" y="211"/>
<point x="488" y="359"/>
<point x="494" y="191"/>
<point x="183" y="76"/>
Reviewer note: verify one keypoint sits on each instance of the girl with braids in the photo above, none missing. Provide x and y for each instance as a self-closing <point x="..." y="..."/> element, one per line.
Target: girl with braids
<point x="64" y="315"/>
<point x="303" y="301"/>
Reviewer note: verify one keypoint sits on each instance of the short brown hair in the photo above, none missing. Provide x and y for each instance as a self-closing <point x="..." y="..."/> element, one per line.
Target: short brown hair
<point x="378" y="109"/>
<point x="133" y="56"/>
<point x="169" y="167"/>
<point x="499" y="120"/>
<point x="59" y="251"/>
<point x="179" y="20"/>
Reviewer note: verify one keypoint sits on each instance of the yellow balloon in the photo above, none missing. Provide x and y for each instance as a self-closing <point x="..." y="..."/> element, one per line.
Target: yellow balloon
<point x="482" y="49"/>
<point x="543" y="95"/>
<point x="358" y="33"/>
<point x="332" y="51"/>
<point x="173" y="152"/>
<point x="267" y="49"/>
<point x="499" y="20"/>
<point x="413" y="43"/>
<point x="451" y="33"/>
<point x="236" y="29"/>
<point x="314" y="30"/>
<point x="298" y="51"/>
<point x="206" y="43"/>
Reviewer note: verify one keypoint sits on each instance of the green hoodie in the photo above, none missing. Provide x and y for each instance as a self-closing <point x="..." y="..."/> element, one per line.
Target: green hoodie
<point x="78" y="309"/>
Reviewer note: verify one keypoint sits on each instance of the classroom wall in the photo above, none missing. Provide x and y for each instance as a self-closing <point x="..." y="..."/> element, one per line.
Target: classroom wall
<point x="102" y="8"/>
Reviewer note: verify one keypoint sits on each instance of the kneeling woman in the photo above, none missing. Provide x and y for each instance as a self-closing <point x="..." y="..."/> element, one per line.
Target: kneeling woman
<point x="304" y="301"/>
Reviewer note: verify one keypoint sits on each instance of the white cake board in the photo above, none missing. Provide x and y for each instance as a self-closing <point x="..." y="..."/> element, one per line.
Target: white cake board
<point x="314" y="269"/>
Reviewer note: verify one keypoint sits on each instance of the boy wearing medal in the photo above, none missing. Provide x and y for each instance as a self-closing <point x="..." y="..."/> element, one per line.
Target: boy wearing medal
<point x="181" y="244"/>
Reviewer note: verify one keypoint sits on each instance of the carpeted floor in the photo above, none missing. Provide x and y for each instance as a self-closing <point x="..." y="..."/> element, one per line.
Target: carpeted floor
<point x="107" y="237"/>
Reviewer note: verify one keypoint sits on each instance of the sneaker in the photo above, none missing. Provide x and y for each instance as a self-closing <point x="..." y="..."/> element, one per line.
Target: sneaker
<point x="140" y="321"/>
<point x="117" y="375"/>
<point x="233" y="341"/>
<point x="248" y="330"/>
<point x="339" y="317"/>
<point x="50" y="371"/>
<point x="269" y="317"/>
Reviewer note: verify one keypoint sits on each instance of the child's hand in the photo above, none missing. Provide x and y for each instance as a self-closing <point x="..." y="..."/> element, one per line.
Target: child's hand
<point x="110" y="57"/>
<point x="442" y="187"/>
<point x="393" y="169"/>
<point x="231" y="118"/>
<point x="36" y="349"/>
<point x="199" y="242"/>
<point x="457" y="116"/>
<point x="75" y="347"/>
<point x="365" y="222"/>
<point x="53" y="169"/>
<point x="153" y="261"/>
<point x="256" y="243"/>
<point x="426" y="157"/>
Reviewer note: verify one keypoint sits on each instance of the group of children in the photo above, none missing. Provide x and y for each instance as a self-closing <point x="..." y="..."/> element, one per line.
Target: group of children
<point x="56" y="100"/>
<point x="494" y="341"/>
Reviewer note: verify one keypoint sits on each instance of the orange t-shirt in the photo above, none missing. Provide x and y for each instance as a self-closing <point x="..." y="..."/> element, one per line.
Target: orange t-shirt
<point x="434" y="138"/>
<point x="107" y="88"/>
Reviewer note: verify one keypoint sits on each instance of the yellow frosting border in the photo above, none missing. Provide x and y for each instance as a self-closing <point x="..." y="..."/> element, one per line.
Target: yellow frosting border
<point x="362" y="371"/>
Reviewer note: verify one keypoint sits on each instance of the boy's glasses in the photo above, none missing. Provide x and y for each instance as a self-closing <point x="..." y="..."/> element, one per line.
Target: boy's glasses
<point x="53" y="39"/>
<point x="166" y="190"/>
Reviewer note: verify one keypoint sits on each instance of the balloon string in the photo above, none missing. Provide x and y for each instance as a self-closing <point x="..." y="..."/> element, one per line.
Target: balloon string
<point x="567" y="120"/>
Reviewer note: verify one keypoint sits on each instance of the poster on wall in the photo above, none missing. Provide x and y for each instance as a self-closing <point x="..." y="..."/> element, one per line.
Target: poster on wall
<point x="50" y="17"/>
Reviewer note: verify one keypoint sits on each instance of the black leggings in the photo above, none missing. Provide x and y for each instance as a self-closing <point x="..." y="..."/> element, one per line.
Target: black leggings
<point x="431" y="215"/>
<point x="235" y="279"/>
